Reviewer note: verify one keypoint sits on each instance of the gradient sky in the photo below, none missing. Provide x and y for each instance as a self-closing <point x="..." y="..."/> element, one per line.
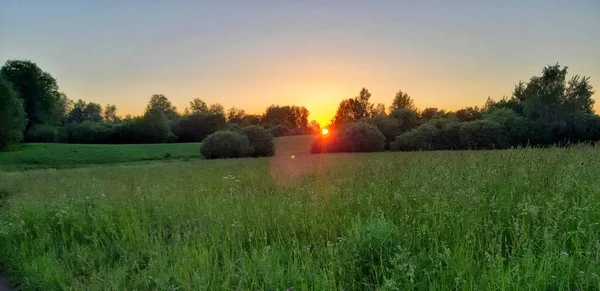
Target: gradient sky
<point x="250" y="54"/>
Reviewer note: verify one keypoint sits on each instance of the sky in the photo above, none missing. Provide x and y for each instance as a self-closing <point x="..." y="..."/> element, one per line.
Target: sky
<point x="251" y="54"/>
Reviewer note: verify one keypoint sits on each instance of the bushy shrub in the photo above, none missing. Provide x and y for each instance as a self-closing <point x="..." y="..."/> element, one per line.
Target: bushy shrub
<point x="482" y="134"/>
<point x="282" y="130"/>
<point x="353" y="137"/>
<point x="516" y="128"/>
<point x="436" y="134"/>
<point x="12" y="117"/>
<point x="584" y="127"/>
<point x="362" y="137"/>
<point x="88" y="132"/>
<point x="236" y="127"/>
<point x="225" y="144"/>
<point x="41" y="133"/>
<point x="261" y="141"/>
<point x="389" y="126"/>
<point x="420" y="138"/>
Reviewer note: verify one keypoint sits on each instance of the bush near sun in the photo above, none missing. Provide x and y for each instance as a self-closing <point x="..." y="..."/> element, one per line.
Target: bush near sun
<point x="354" y="137"/>
<point x="225" y="144"/>
<point x="261" y="141"/>
<point x="250" y="141"/>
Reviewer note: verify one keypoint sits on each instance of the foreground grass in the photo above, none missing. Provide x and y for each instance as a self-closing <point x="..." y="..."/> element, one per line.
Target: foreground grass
<point x="52" y="155"/>
<point x="515" y="219"/>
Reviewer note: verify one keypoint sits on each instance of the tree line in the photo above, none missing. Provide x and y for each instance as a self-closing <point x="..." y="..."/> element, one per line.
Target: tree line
<point x="32" y="109"/>
<point x="548" y="110"/>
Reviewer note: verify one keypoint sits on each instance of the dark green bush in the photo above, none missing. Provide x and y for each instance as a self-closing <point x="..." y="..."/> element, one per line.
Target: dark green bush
<point x="516" y="128"/>
<point x="260" y="140"/>
<point x="41" y="133"/>
<point x="225" y="144"/>
<point x="282" y="130"/>
<point x="198" y="126"/>
<point x="362" y="137"/>
<point x="353" y="137"/>
<point x="88" y="132"/>
<point x="12" y="117"/>
<point x="482" y="134"/>
<point x="420" y="138"/>
<point x="389" y="126"/>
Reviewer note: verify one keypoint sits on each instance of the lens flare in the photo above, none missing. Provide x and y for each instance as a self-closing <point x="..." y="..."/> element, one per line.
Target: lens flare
<point x="325" y="131"/>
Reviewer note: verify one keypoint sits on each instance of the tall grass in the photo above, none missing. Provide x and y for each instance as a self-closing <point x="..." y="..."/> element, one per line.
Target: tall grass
<point x="514" y="219"/>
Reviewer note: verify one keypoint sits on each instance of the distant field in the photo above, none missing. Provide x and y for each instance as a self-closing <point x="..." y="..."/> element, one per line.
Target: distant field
<point x="52" y="155"/>
<point x="525" y="219"/>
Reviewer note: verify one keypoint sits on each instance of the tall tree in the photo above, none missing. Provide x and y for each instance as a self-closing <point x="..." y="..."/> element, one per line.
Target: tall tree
<point x="217" y="109"/>
<point x="83" y="111"/>
<point x="37" y="89"/>
<point x="235" y="115"/>
<point x="198" y="105"/>
<point x="578" y="95"/>
<point x="12" y="116"/>
<point x="379" y="109"/>
<point x="354" y="109"/>
<point x="159" y="102"/>
<point x="549" y="97"/>
<point x="402" y="101"/>
<point x="110" y="114"/>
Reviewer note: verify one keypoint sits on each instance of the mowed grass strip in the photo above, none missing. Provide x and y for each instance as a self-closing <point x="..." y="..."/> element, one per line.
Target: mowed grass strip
<point x="484" y="220"/>
<point x="53" y="155"/>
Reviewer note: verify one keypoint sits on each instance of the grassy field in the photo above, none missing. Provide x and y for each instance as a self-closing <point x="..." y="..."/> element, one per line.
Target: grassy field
<point x="508" y="220"/>
<point x="36" y="156"/>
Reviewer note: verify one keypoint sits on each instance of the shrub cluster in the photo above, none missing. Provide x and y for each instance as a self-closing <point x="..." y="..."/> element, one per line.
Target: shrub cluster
<point x="353" y="137"/>
<point x="251" y="141"/>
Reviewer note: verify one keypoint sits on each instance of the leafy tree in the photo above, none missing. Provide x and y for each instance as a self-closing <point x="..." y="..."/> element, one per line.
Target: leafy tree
<point x="37" y="89"/>
<point x="482" y="134"/>
<point x="196" y="127"/>
<point x="468" y="114"/>
<point x="198" y="105"/>
<point x="251" y="119"/>
<point x="407" y="119"/>
<point x="159" y="102"/>
<point x="402" y="101"/>
<point x="315" y="127"/>
<point x="353" y="109"/>
<point x="437" y="134"/>
<point x="235" y="115"/>
<point x="378" y="110"/>
<point x="549" y="98"/>
<point x="431" y="113"/>
<point x="261" y="141"/>
<point x="216" y="108"/>
<point x="389" y="126"/>
<point x="293" y="117"/>
<point x="578" y="95"/>
<point x="83" y="111"/>
<point x="362" y="137"/>
<point x="154" y="127"/>
<point x="516" y="128"/>
<point x="110" y="114"/>
<point x="12" y="117"/>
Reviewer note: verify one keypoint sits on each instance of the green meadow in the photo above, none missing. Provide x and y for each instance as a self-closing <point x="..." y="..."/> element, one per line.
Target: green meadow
<point x="516" y="219"/>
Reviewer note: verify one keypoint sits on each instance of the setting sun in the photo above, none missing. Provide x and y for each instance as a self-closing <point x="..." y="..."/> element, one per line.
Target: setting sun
<point x="325" y="131"/>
